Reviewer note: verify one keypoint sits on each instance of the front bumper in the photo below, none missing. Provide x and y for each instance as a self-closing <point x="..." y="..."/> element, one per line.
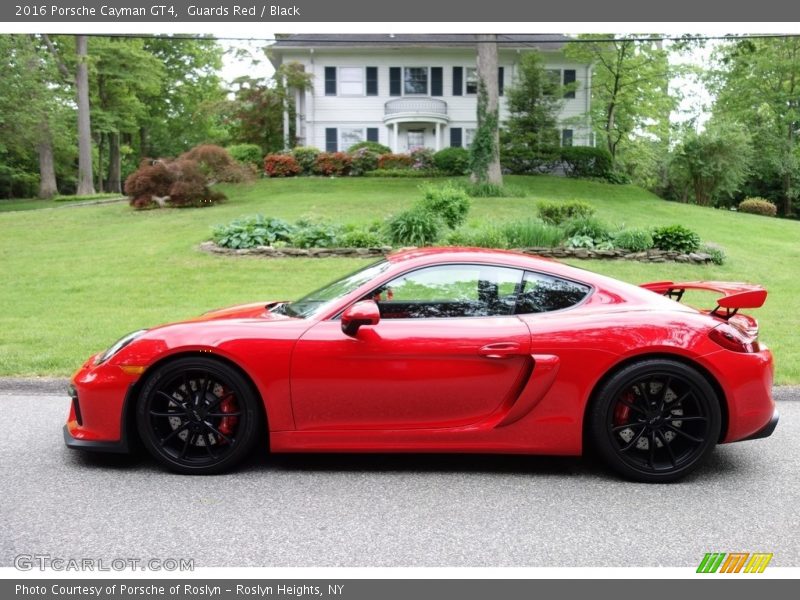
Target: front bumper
<point x="100" y="396"/>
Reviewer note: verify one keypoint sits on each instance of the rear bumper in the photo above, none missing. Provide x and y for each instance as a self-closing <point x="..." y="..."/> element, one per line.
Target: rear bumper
<point x="767" y="430"/>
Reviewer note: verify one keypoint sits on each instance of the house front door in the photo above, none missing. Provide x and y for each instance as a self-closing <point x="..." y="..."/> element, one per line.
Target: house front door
<point x="416" y="139"/>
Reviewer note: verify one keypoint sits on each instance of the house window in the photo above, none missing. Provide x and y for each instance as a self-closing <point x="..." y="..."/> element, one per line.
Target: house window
<point x="471" y="80"/>
<point x="372" y="134"/>
<point x="416" y="139"/>
<point x="330" y="139"/>
<point x="458" y="81"/>
<point x="566" y="137"/>
<point x="569" y="80"/>
<point x="469" y="135"/>
<point x="372" y="81"/>
<point x="349" y="136"/>
<point x="415" y="81"/>
<point x="330" y="81"/>
<point x="351" y="81"/>
<point x="455" y="137"/>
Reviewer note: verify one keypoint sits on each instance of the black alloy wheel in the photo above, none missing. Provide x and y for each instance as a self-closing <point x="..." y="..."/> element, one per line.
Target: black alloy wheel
<point x="655" y="420"/>
<point x="198" y="416"/>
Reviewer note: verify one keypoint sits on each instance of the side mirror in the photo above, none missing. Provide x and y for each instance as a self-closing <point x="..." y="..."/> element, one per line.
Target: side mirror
<point x="361" y="313"/>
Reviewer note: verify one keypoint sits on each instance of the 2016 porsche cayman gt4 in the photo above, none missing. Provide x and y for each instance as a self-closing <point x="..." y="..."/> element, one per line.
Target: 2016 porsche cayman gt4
<point x="442" y="350"/>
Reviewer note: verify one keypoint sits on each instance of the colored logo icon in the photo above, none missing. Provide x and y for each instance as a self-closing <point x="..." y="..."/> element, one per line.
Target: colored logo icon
<point x="734" y="562"/>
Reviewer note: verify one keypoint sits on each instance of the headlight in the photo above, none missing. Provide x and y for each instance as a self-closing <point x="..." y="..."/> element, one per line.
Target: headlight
<point x="118" y="345"/>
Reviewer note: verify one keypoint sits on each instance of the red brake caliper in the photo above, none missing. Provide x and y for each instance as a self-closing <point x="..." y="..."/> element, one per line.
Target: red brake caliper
<point x="622" y="412"/>
<point x="228" y="424"/>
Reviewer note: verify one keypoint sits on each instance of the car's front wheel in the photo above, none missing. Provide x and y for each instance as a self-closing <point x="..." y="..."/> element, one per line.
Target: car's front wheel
<point x="197" y="415"/>
<point x="655" y="420"/>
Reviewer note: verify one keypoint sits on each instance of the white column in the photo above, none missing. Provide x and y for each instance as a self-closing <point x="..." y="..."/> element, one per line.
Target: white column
<point x="394" y="138"/>
<point x="438" y="136"/>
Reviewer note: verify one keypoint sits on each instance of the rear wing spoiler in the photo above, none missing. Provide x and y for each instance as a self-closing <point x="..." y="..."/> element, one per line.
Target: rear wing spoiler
<point x="734" y="295"/>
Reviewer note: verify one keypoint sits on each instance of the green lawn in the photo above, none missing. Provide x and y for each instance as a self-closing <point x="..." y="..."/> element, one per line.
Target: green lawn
<point x="16" y="204"/>
<point x="75" y="280"/>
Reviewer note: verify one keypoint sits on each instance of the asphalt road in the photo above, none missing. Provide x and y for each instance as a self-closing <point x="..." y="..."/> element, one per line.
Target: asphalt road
<point x="390" y="510"/>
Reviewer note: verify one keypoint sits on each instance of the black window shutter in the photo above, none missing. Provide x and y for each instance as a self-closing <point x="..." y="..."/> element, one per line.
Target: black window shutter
<point x="455" y="137"/>
<point x="569" y="78"/>
<point x="372" y="81"/>
<point x="331" y="144"/>
<point x="395" y="81"/>
<point x="330" y="81"/>
<point x="437" y="85"/>
<point x="500" y="77"/>
<point x="458" y="82"/>
<point x="372" y="134"/>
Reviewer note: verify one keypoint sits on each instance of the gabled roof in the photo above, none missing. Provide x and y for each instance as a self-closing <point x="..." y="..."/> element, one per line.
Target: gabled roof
<point x="541" y="41"/>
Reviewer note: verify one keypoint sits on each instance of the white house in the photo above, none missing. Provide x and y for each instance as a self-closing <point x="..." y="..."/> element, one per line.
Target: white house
<point x="409" y="91"/>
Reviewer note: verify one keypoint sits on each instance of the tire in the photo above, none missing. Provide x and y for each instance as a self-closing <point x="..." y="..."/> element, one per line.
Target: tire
<point x="208" y="429"/>
<point x="655" y="421"/>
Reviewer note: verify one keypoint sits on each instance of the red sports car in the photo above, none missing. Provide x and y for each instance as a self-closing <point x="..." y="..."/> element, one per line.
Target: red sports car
<point x="442" y="350"/>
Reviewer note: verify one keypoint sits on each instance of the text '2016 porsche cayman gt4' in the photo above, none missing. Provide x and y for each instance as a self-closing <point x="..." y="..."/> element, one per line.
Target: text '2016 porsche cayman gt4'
<point x="442" y="350"/>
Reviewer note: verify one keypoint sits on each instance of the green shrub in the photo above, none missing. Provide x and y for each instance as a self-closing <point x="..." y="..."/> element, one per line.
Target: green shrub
<point x="585" y="161"/>
<point x="422" y="159"/>
<point x="591" y="227"/>
<point x="531" y="232"/>
<point x="309" y="233"/>
<point x="758" y="206"/>
<point x="676" y="237"/>
<point x="490" y="235"/>
<point x="580" y="241"/>
<point x="403" y="173"/>
<point x="246" y="153"/>
<point x="17" y="183"/>
<point x="306" y="157"/>
<point x="372" y="146"/>
<point x="363" y="161"/>
<point x="414" y="227"/>
<point x="634" y="240"/>
<point x="446" y="200"/>
<point x="281" y="165"/>
<point x="617" y="177"/>
<point x="395" y="161"/>
<point x="556" y="213"/>
<point x="484" y="189"/>
<point x="249" y="232"/>
<point x="332" y="164"/>
<point x="452" y="161"/>
<point x="715" y="251"/>
<point x="362" y="238"/>
<point x="520" y="159"/>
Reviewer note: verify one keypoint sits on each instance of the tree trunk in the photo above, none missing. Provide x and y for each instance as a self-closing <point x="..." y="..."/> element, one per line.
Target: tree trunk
<point x="85" y="183"/>
<point x="100" y="148"/>
<point x="47" y="171"/>
<point x="114" y="164"/>
<point x="487" y="73"/>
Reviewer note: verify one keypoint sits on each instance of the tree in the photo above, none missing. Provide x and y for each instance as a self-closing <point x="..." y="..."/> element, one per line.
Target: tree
<point x="757" y="84"/>
<point x="485" y="148"/>
<point x="713" y="163"/>
<point x="630" y="87"/>
<point x="85" y="179"/>
<point x="530" y="135"/>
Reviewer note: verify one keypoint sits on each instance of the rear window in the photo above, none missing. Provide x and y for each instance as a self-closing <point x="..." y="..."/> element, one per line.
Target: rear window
<point x="545" y="293"/>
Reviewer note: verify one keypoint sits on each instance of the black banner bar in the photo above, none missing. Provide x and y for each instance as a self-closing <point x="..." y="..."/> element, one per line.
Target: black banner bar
<point x="347" y="11"/>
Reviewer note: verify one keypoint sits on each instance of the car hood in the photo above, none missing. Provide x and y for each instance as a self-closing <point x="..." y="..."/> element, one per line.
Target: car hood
<point x="253" y="310"/>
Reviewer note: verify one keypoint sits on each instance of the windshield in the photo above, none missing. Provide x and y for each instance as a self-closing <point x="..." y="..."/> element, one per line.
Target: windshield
<point x="318" y="301"/>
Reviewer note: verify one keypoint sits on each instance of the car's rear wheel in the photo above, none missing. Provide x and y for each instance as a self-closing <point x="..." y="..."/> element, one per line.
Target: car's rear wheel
<point x="197" y="415"/>
<point x="655" y="420"/>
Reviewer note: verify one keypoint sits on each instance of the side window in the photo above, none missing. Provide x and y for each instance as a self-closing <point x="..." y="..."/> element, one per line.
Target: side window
<point x="450" y="291"/>
<point x="544" y="293"/>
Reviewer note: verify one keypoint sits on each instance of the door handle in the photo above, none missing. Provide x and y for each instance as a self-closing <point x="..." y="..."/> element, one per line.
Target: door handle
<point x="500" y="350"/>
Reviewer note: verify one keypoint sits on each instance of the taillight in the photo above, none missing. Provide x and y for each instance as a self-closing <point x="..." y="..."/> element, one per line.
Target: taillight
<point x="732" y="338"/>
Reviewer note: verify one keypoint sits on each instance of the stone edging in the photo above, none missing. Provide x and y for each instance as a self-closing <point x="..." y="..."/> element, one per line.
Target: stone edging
<point x="653" y="256"/>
